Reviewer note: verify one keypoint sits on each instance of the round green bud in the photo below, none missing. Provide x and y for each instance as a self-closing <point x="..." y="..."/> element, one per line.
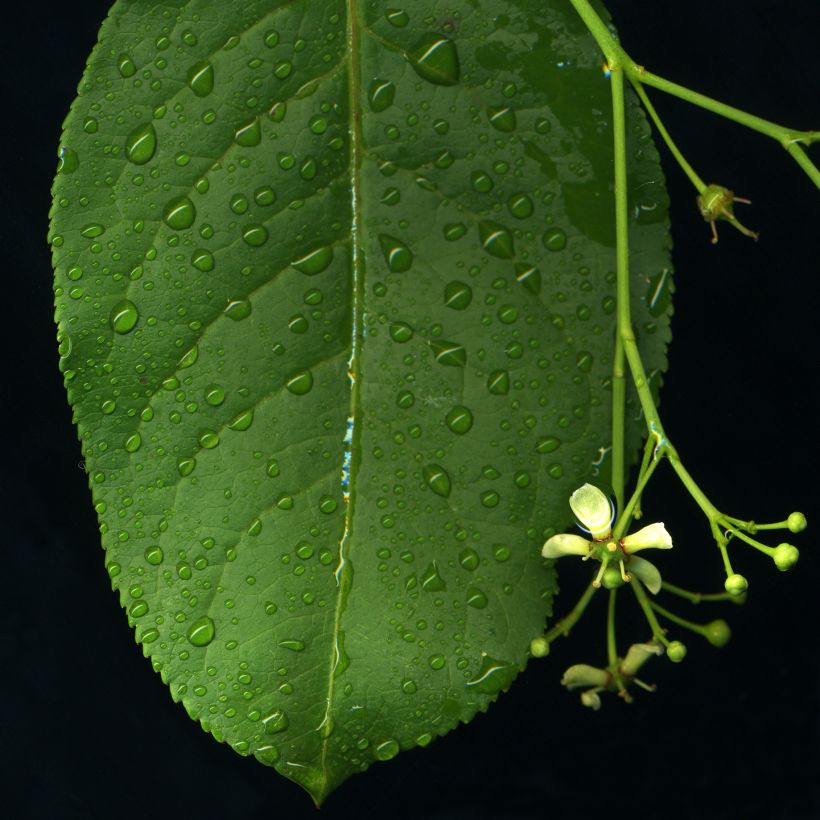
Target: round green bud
<point x="796" y="522"/>
<point x="785" y="556"/>
<point x="717" y="633"/>
<point x="736" y="584"/>
<point x="612" y="577"/>
<point x="539" y="647"/>
<point x="676" y="651"/>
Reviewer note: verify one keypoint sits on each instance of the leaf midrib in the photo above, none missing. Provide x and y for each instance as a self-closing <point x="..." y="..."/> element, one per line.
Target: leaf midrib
<point x="343" y="573"/>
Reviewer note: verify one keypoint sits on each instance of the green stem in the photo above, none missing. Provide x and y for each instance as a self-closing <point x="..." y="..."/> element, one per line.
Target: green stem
<point x="618" y="422"/>
<point x="789" y="138"/>
<point x="752" y="543"/>
<point x="611" y="647"/>
<point x="658" y="632"/>
<point x="676" y="619"/>
<point x="699" y="184"/>
<point x="697" y="597"/>
<point x="566" y="623"/>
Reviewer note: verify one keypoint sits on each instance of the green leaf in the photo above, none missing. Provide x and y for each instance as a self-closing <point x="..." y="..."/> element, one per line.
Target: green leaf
<point x="334" y="287"/>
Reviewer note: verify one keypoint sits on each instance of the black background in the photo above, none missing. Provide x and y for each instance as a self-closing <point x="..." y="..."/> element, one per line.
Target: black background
<point x="87" y="730"/>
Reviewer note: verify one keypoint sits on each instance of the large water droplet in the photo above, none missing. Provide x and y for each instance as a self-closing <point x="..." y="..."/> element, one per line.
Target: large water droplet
<point x="300" y="383"/>
<point x="201" y="78"/>
<point x="126" y="65"/>
<point x="248" y="133"/>
<point x="457" y="295"/>
<point x="476" y="598"/>
<point x="449" y="353"/>
<point x="435" y="59"/>
<point x="201" y="631"/>
<point x="502" y="117"/>
<point x="493" y="676"/>
<point x="460" y="419"/>
<point x="314" y="261"/>
<point x="529" y="276"/>
<point x="255" y="235"/>
<point x="398" y="256"/>
<point x="141" y="143"/>
<point x="123" y="316"/>
<point x="179" y="213"/>
<point x="387" y="750"/>
<point x="275" y="721"/>
<point x="496" y="239"/>
<point x="437" y="479"/>
<point x="658" y="293"/>
<point x="238" y="309"/>
<point x="203" y="260"/>
<point x="555" y="239"/>
<point x="498" y="382"/>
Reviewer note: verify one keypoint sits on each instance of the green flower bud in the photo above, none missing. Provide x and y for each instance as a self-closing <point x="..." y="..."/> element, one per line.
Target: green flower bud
<point x="796" y="522"/>
<point x="676" y="651"/>
<point x="539" y="647"/>
<point x="785" y="556"/>
<point x="717" y="633"/>
<point x="736" y="584"/>
<point x="612" y="577"/>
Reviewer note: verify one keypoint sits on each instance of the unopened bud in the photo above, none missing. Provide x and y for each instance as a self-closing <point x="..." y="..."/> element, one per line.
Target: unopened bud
<point x="676" y="651"/>
<point x="736" y="584"/>
<point x="785" y="556"/>
<point x="539" y="647"/>
<point x="796" y="522"/>
<point x="717" y="633"/>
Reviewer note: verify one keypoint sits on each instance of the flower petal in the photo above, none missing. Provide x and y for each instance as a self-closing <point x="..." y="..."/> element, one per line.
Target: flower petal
<point x="638" y="655"/>
<point x="565" y="544"/>
<point x="583" y="674"/>
<point x="593" y="509"/>
<point x="653" y="536"/>
<point x="646" y="572"/>
<point x="592" y="699"/>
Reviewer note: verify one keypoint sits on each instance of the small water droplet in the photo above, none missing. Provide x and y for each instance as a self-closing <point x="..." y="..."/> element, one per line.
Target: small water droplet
<point x="476" y="598"/>
<point x="255" y="235"/>
<point x="292" y="644"/>
<point x="238" y="309"/>
<point x="435" y="59"/>
<point x="243" y="421"/>
<point x="387" y="750"/>
<point x="520" y="206"/>
<point x="132" y="443"/>
<point x="154" y="555"/>
<point x="381" y="95"/>
<point x="437" y="479"/>
<point x="493" y="676"/>
<point x="437" y="661"/>
<point x="126" y="66"/>
<point x="123" y="316"/>
<point x="201" y="631"/>
<point x="547" y="444"/>
<point x="214" y="395"/>
<point x="141" y="143"/>
<point x="398" y="256"/>
<point x="460" y="419"/>
<point x="300" y="383"/>
<point x="502" y="117"/>
<point x="431" y="579"/>
<point x="201" y="78"/>
<point x="468" y="558"/>
<point x="529" y="276"/>
<point x="451" y="354"/>
<point x="275" y="721"/>
<point x="498" y="382"/>
<point x="397" y="17"/>
<point x="203" y="260"/>
<point x="555" y="239"/>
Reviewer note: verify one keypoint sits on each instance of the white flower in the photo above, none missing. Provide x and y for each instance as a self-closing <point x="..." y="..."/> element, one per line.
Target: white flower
<point x="595" y="513"/>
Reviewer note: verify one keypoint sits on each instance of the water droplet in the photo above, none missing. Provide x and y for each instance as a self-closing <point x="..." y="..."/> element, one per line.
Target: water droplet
<point x="186" y="466"/>
<point x="238" y="309"/>
<point x="555" y="239"/>
<point x="138" y="609"/>
<point x="522" y="479"/>
<point x="328" y="504"/>
<point x="300" y="383"/>
<point x="476" y="598"/>
<point x="292" y="644"/>
<point x="501" y="552"/>
<point x="209" y="440"/>
<point x="203" y="260"/>
<point x="457" y="295"/>
<point x="507" y="314"/>
<point x="658" y="293"/>
<point x="387" y="750"/>
<point x="409" y="687"/>
<point x="498" y="382"/>
<point x="401" y="332"/>
<point x="481" y="182"/>
<point x="435" y="59"/>
<point x="254" y="528"/>
<point x="437" y="661"/>
<point x="398" y="256"/>
<point x="449" y="353"/>
<point x="214" y="395"/>
<point x="468" y="558"/>
<point x="201" y="78"/>
<point x="69" y="162"/>
<point x="529" y="276"/>
<point x="438" y="479"/>
<point x="201" y="631"/>
<point x="243" y="421"/>
<point x="154" y="555"/>
<point x="141" y="143"/>
<point x="502" y="117"/>
<point x="520" y="206"/>
<point x="314" y="261"/>
<point x="249" y="133"/>
<point x="179" y="213"/>
<point x="547" y="444"/>
<point x="283" y="70"/>
<point x="493" y="676"/>
<point x="271" y="38"/>
<point x="496" y="239"/>
<point x="123" y="316"/>
<point x="264" y="196"/>
<point x="255" y="235"/>
<point x="381" y="95"/>
<point x="431" y="579"/>
<point x="460" y="419"/>
<point x="397" y="17"/>
<point x="583" y="361"/>
<point x="490" y="498"/>
<point x="133" y="443"/>
<point x="126" y="65"/>
<point x="188" y="358"/>
<point x="454" y="231"/>
<point x="405" y="399"/>
<point x="275" y="721"/>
